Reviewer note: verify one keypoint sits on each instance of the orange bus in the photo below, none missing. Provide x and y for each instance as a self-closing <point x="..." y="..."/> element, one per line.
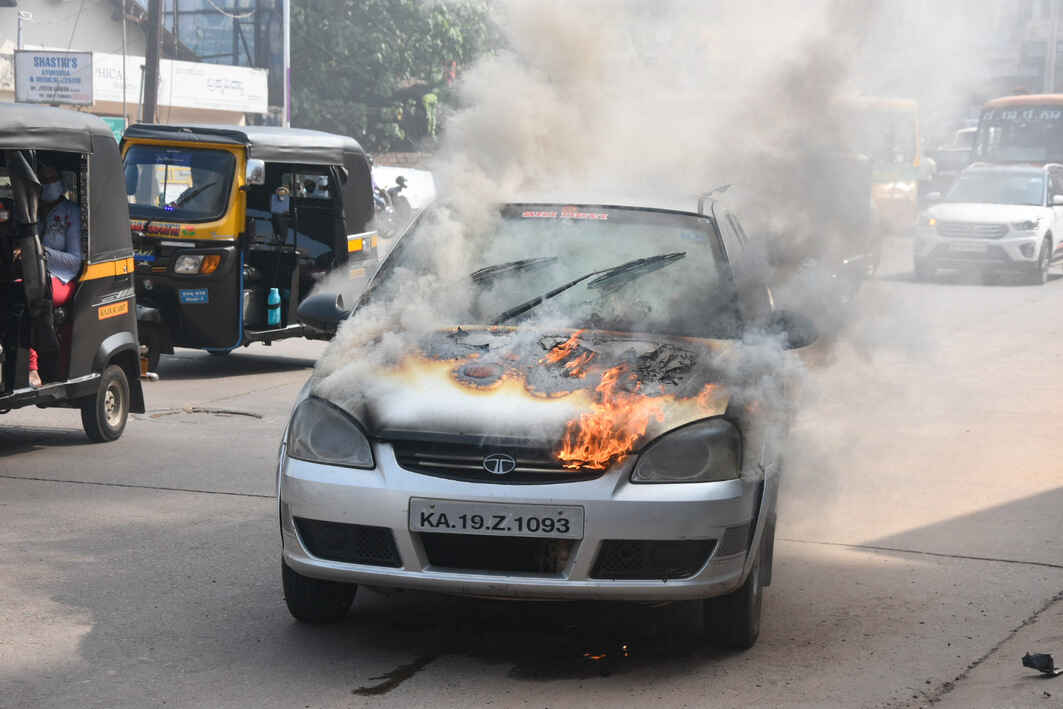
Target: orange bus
<point x="1024" y="129"/>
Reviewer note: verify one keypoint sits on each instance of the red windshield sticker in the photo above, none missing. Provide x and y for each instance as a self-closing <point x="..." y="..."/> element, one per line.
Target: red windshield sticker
<point x="538" y="215"/>
<point x="573" y="213"/>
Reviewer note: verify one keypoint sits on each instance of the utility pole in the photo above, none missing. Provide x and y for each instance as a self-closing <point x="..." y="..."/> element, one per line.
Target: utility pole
<point x="1050" y="50"/>
<point x="151" y="68"/>
<point x="23" y="16"/>
<point x="286" y="13"/>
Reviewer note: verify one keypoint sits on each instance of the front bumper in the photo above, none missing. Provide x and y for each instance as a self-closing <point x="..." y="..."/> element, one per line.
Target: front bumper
<point x="1016" y="251"/>
<point x="614" y="509"/>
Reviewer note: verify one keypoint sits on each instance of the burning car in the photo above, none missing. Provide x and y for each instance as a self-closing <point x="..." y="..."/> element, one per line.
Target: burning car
<point x="597" y="411"/>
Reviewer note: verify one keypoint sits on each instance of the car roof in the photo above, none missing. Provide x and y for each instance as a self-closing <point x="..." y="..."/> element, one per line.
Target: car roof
<point x="665" y="203"/>
<point x="1017" y="169"/>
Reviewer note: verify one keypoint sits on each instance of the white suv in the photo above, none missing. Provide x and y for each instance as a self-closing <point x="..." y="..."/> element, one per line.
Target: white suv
<point x="995" y="218"/>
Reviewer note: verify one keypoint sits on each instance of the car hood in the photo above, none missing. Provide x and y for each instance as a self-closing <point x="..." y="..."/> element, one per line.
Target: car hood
<point x="536" y="387"/>
<point x="991" y="213"/>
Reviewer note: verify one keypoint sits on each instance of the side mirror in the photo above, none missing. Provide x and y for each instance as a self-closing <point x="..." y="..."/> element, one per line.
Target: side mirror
<point x="795" y="329"/>
<point x="1057" y="200"/>
<point x="322" y="314"/>
<point x="933" y="197"/>
<point x="256" y="172"/>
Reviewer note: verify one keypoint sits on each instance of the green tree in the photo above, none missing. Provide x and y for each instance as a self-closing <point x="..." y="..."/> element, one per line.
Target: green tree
<point x="378" y="69"/>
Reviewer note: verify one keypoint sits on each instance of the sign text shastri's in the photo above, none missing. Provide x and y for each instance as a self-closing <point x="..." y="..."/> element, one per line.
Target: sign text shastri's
<point x="44" y="76"/>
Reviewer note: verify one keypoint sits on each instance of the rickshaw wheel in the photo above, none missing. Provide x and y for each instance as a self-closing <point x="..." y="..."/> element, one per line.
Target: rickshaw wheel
<point x="104" y="415"/>
<point x="152" y="339"/>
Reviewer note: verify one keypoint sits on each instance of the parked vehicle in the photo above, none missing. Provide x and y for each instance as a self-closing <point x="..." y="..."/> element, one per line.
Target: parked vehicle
<point x="996" y="219"/>
<point x="949" y="161"/>
<point x="226" y="218"/>
<point x="475" y="463"/>
<point x="86" y="348"/>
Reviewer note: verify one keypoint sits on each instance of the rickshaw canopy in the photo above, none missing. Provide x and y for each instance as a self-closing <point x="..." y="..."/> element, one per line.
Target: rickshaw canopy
<point x="283" y="145"/>
<point x="31" y="127"/>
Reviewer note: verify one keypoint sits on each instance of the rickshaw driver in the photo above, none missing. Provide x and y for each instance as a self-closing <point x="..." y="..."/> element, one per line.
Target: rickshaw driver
<point x="62" y="242"/>
<point x="199" y="196"/>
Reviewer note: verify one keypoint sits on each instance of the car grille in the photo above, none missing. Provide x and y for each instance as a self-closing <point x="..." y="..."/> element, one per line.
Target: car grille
<point x="470" y="552"/>
<point x="972" y="230"/>
<point x="349" y="543"/>
<point x="630" y="559"/>
<point x="458" y="461"/>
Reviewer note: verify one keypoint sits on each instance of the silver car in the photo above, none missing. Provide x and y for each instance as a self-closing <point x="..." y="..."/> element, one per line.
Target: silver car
<point x="628" y="453"/>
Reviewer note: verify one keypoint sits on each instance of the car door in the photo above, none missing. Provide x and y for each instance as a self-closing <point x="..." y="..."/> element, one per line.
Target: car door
<point x="1055" y="188"/>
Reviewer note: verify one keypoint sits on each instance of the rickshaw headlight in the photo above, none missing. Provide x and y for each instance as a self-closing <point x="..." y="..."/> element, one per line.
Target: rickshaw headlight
<point x="188" y="264"/>
<point x="322" y="433"/>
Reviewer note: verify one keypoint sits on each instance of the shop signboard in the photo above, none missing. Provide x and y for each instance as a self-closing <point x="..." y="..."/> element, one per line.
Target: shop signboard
<point x="55" y="77"/>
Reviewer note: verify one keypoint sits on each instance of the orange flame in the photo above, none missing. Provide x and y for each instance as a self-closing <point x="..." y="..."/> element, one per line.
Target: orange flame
<point x="613" y="425"/>
<point x="576" y="366"/>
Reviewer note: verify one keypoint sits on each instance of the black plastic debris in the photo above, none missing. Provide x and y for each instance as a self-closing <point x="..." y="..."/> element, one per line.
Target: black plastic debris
<point x="1042" y="663"/>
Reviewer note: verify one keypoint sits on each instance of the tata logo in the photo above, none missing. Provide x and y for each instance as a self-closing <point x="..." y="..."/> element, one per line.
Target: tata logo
<point x="499" y="464"/>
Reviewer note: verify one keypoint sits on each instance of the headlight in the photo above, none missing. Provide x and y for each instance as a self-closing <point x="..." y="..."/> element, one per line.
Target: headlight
<point x="191" y="264"/>
<point x="187" y="264"/>
<point x="706" y="451"/>
<point x="1028" y="225"/>
<point x="322" y="433"/>
<point x="927" y="220"/>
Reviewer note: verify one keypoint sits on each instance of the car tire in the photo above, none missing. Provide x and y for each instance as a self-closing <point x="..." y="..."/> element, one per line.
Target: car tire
<point x="315" y="600"/>
<point x="104" y="415"/>
<point x="732" y="621"/>
<point x="1038" y="274"/>
<point x="924" y="271"/>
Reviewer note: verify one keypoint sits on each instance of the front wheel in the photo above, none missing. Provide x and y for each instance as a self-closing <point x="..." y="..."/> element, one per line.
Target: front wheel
<point x="104" y="415"/>
<point x="733" y="621"/>
<point x="315" y="600"/>
<point x="1038" y="274"/>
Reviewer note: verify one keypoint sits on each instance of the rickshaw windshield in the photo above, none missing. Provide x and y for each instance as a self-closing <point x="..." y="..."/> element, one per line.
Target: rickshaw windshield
<point x="178" y="184"/>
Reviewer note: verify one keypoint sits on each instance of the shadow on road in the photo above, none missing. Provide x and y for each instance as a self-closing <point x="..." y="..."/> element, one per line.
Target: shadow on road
<point x="22" y="439"/>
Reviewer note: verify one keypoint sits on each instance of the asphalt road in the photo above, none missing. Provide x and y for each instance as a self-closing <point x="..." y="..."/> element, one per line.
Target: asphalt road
<point x="919" y="555"/>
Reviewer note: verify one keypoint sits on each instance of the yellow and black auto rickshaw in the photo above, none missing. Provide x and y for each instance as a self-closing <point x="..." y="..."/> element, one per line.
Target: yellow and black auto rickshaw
<point x="84" y="342"/>
<point x="234" y="225"/>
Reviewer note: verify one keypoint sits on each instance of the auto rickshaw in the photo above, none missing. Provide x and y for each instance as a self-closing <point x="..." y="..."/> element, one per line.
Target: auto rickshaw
<point x="86" y="347"/>
<point x="233" y="226"/>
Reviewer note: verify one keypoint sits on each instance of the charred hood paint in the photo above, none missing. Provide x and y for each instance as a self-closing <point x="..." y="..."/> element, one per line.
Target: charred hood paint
<point x="537" y="387"/>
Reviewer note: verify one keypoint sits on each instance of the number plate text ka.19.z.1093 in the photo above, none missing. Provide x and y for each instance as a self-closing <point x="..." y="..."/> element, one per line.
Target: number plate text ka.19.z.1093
<point x="496" y="519"/>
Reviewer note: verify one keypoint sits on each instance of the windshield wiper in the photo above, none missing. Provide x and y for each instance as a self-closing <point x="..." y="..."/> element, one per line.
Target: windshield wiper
<point x="629" y="270"/>
<point x="526" y="264"/>
<point x="192" y="193"/>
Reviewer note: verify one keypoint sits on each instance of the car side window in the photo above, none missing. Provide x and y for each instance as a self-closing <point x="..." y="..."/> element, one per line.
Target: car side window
<point x="1055" y="183"/>
<point x="732" y="240"/>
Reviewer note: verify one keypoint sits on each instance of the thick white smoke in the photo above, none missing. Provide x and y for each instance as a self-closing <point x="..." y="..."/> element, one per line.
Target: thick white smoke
<point x="601" y="100"/>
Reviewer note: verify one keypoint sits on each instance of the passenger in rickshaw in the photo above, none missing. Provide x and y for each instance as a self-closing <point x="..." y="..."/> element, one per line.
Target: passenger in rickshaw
<point x="62" y="242"/>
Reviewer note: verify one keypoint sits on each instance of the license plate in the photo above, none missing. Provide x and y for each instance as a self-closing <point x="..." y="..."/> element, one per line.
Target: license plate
<point x="193" y="295"/>
<point x="969" y="248"/>
<point x="496" y="519"/>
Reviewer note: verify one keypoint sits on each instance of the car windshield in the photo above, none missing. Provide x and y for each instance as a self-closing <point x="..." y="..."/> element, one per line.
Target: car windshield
<point x="536" y="249"/>
<point x="178" y="184"/>
<point x="998" y="188"/>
